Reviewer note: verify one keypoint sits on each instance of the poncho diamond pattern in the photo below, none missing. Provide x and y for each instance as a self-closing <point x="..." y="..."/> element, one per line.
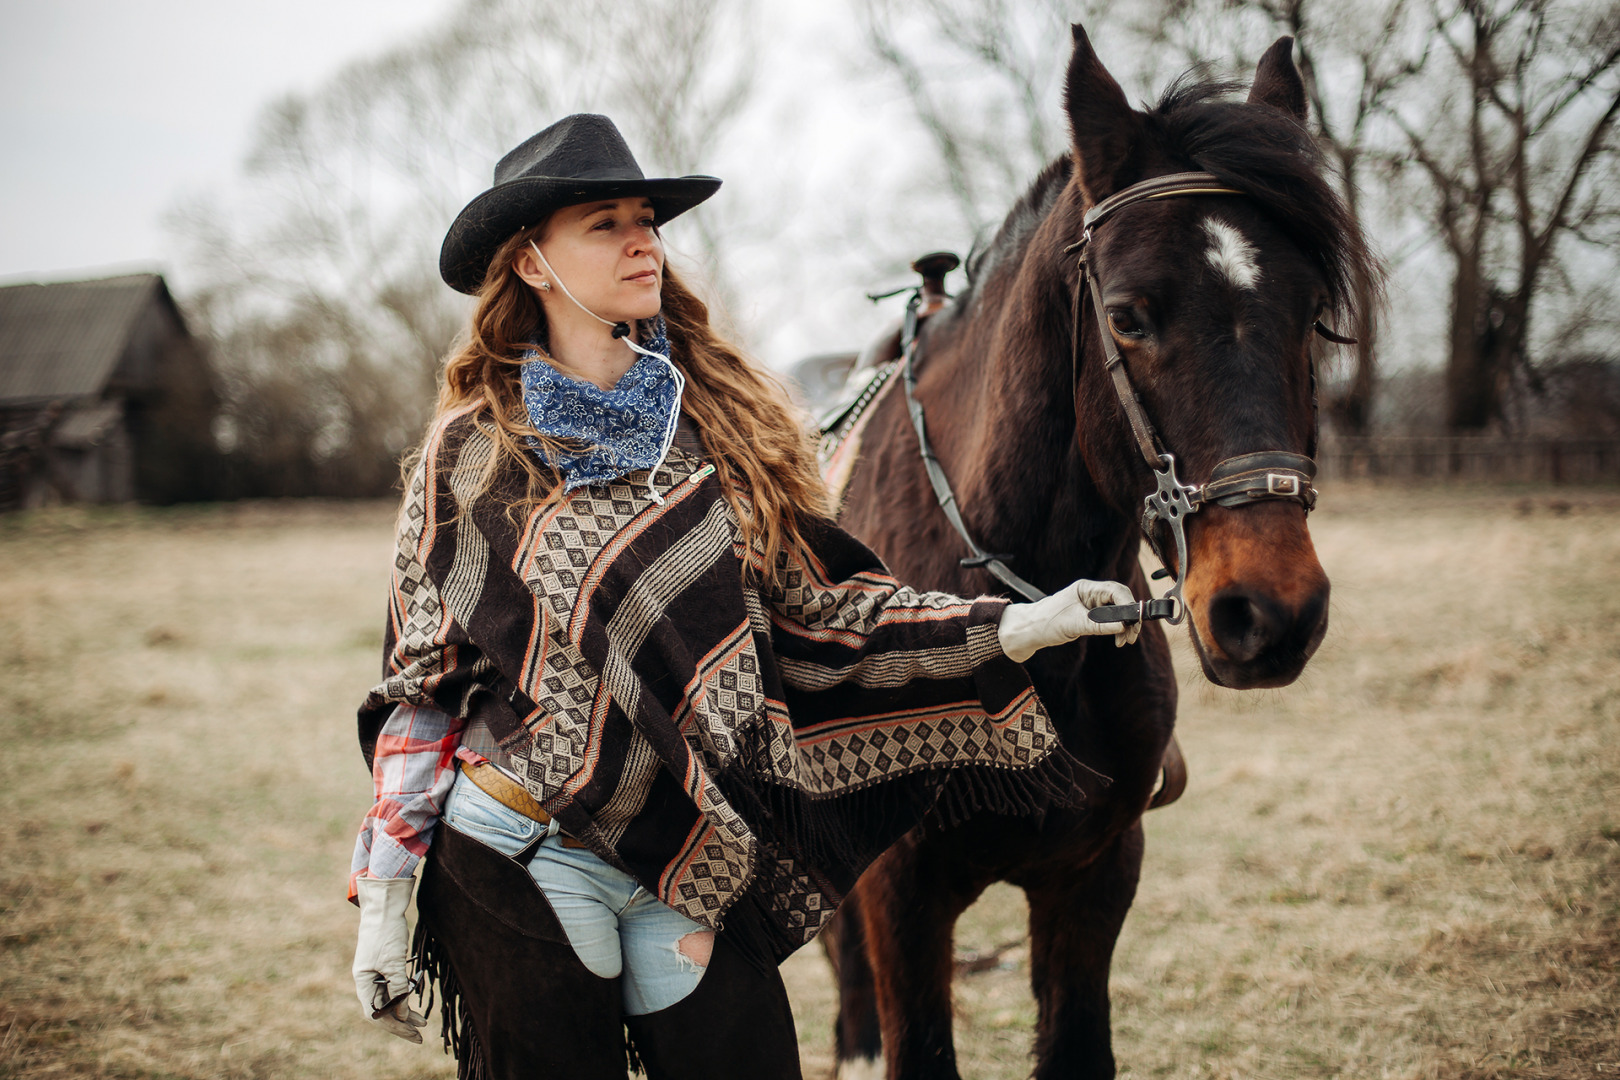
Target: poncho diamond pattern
<point x="744" y="751"/>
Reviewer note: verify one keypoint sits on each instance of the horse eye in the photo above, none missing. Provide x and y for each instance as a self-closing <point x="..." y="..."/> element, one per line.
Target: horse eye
<point x="1125" y="323"/>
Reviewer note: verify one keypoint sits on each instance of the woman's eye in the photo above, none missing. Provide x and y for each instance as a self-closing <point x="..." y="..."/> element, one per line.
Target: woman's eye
<point x="1125" y="323"/>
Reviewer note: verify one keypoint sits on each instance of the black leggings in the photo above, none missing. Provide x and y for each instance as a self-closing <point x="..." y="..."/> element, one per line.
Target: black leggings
<point x="518" y="1004"/>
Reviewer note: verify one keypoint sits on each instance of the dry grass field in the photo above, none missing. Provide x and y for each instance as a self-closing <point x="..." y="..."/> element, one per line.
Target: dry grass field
<point x="1406" y="865"/>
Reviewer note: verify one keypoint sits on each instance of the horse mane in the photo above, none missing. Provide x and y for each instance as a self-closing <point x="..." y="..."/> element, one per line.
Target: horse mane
<point x="1021" y="221"/>
<point x="1262" y="150"/>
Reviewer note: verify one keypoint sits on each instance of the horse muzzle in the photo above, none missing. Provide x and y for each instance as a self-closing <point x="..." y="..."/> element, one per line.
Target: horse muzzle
<point x="1256" y="594"/>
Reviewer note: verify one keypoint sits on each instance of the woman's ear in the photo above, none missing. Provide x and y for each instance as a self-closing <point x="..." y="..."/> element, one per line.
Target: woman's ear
<point x="527" y="267"/>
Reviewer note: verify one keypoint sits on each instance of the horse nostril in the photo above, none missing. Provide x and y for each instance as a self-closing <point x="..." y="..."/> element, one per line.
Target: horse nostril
<point x="1244" y="625"/>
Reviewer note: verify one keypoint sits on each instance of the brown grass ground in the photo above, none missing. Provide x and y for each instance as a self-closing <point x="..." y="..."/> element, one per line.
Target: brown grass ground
<point x="1406" y="865"/>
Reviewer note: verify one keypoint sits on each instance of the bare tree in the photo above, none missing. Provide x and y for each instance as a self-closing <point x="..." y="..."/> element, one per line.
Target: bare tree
<point x="985" y="149"/>
<point x="684" y="85"/>
<point x="1513" y="135"/>
<point x="982" y="79"/>
<point x="1350" y="72"/>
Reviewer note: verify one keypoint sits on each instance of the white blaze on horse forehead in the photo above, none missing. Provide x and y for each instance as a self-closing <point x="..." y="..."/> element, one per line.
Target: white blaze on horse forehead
<point x="1230" y="253"/>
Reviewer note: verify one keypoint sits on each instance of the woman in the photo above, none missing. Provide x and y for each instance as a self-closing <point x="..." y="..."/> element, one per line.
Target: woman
<point x="666" y="709"/>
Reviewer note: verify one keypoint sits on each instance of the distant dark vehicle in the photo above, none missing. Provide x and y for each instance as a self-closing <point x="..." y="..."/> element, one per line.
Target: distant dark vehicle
<point x="1215" y="250"/>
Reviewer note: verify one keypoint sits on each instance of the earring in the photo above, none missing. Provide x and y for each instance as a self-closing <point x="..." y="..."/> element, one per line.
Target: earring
<point x="545" y="286"/>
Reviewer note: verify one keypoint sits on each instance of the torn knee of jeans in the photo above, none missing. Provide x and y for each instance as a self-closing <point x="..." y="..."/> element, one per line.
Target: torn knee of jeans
<point x="695" y="948"/>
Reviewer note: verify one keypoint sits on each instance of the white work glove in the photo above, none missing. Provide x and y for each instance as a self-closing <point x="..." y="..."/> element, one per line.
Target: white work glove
<point x="383" y="954"/>
<point x="1028" y="628"/>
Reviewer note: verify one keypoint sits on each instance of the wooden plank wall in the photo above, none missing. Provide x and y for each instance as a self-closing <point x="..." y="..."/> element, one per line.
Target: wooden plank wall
<point x="1487" y="458"/>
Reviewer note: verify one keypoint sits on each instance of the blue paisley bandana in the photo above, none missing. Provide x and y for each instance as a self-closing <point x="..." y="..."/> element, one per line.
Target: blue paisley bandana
<point x="621" y="430"/>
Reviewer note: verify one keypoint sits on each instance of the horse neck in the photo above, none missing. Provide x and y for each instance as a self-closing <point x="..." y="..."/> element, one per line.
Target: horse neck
<point x="999" y="382"/>
<point x="1006" y="437"/>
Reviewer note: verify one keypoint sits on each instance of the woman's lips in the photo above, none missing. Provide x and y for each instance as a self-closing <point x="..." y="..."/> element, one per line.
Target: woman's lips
<point x="646" y="277"/>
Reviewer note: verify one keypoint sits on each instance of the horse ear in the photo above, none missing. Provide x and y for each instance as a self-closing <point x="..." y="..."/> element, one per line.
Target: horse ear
<point x="1102" y="122"/>
<point x="1277" y="82"/>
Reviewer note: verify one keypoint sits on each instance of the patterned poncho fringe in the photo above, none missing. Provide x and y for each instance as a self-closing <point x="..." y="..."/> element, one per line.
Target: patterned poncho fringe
<point x="745" y="750"/>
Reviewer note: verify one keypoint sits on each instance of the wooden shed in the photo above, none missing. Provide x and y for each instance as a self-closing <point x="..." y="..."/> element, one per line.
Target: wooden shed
<point x="104" y="396"/>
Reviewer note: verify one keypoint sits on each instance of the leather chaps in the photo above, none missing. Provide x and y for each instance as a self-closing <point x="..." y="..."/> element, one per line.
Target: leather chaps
<point x="517" y="1003"/>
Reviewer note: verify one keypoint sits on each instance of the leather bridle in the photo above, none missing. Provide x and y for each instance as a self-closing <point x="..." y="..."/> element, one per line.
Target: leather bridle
<point x="1236" y="481"/>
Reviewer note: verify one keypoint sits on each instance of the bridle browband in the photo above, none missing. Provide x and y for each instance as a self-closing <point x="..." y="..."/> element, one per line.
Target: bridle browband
<point x="1236" y="481"/>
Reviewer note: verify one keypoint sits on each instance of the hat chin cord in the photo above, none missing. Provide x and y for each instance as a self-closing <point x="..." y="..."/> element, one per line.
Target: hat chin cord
<point x="622" y="330"/>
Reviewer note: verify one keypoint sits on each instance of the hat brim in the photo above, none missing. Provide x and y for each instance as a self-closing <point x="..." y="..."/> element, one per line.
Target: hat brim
<point x="485" y="223"/>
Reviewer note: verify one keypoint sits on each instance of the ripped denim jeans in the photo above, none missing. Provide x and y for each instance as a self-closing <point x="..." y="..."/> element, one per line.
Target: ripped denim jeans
<point x="617" y="928"/>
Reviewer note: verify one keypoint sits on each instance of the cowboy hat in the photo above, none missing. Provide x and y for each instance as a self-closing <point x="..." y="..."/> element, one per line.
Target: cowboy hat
<point x="577" y="159"/>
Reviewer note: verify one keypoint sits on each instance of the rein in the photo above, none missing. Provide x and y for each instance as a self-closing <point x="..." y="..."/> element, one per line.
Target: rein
<point x="1236" y="481"/>
<point x="936" y="473"/>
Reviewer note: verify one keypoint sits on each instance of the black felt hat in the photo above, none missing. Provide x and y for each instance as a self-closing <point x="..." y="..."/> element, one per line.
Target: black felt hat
<point x="578" y="159"/>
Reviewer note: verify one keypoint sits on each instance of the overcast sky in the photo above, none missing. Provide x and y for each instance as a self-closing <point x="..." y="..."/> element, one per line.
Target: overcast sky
<point x="112" y="111"/>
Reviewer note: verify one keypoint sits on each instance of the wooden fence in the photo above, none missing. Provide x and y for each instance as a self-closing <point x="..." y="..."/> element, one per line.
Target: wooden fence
<point x="1464" y="457"/>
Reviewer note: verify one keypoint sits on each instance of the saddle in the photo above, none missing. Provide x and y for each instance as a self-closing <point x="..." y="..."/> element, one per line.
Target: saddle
<point x="871" y="373"/>
<point x="874" y="361"/>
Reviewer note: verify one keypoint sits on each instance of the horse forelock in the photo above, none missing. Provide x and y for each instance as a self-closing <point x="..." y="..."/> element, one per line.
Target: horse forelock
<point x="1275" y="160"/>
<point x="1262" y="150"/>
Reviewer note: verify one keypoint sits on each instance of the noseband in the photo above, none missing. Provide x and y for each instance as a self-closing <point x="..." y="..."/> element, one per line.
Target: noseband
<point x="1236" y="481"/>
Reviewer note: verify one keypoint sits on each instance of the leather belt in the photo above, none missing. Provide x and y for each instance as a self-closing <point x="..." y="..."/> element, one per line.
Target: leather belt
<point x="512" y="795"/>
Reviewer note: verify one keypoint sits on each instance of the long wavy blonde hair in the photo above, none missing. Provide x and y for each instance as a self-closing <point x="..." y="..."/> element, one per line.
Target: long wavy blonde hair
<point x="749" y="427"/>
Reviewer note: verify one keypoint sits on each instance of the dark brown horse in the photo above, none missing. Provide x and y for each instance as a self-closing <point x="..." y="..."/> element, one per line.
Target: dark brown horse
<point x="1211" y="301"/>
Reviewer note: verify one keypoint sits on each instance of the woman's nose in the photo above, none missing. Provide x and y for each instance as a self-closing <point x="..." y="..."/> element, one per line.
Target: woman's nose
<point x="643" y="242"/>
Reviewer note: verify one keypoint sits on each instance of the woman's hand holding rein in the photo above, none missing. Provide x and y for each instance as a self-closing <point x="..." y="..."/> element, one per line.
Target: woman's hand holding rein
<point x="1027" y="628"/>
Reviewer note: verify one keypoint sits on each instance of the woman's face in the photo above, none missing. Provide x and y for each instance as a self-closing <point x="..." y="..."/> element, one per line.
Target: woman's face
<point x="608" y="255"/>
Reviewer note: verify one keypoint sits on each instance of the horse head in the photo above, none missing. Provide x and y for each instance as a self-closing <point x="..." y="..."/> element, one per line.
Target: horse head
<point x="1210" y="301"/>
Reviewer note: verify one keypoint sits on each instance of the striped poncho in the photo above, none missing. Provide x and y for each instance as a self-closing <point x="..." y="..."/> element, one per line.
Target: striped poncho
<point x="744" y="750"/>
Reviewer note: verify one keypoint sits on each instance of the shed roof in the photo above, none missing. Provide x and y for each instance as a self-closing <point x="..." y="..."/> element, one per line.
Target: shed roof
<point x="64" y="340"/>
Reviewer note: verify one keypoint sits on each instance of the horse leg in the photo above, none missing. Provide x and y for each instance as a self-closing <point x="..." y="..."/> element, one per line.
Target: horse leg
<point x="1074" y="919"/>
<point x="909" y="902"/>
<point x="857" y="1037"/>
